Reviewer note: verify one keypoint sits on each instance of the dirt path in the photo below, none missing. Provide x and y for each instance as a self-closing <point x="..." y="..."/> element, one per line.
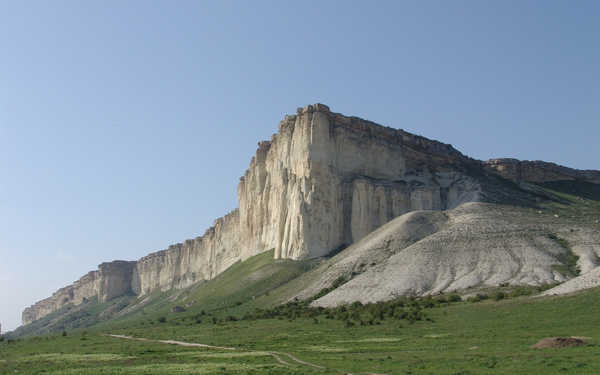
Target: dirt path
<point x="275" y="355"/>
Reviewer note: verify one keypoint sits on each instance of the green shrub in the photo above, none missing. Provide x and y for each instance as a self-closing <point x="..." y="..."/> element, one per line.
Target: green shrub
<point x="162" y="319"/>
<point x="454" y="298"/>
<point x="478" y="298"/>
<point x="499" y="296"/>
<point x="521" y="291"/>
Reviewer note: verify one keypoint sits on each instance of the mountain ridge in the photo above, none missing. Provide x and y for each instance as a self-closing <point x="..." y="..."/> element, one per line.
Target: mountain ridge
<point x="322" y="182"/>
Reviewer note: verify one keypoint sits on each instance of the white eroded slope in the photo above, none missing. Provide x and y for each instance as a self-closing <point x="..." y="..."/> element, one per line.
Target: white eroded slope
<point x="476" y="244"/>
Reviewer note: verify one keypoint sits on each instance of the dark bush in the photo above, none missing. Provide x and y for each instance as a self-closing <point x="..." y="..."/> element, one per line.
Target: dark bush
<point x="521" y="291"/>
<point x="499" y="296"/>
<point x="478" y="297"/>
<point x="162" y="319"/>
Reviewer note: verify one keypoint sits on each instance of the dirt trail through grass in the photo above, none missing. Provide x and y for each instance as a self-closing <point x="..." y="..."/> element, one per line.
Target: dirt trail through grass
<point x="275" y="355"/>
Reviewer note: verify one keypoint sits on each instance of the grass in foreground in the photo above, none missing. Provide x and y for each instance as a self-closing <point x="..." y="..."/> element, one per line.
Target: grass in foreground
<point x="489" y="337"/>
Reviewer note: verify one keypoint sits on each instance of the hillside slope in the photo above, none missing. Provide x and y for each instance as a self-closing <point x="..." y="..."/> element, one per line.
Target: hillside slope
<point x="474" y="245"/>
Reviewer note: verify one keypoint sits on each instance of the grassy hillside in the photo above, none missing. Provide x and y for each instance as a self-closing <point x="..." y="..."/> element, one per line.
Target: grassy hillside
<point x="489" y="337"/>
<point x="233" y="292"/>
<point x="71" y="317"/>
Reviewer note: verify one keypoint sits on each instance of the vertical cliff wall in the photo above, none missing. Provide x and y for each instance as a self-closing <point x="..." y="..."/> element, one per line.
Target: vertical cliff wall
<point x="111" y="280"/>
<point x="194" y="260"/>
<point x="324" y="180"/>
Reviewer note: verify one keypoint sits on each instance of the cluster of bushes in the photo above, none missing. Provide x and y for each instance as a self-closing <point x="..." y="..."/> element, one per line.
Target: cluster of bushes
<point x="518" y="291"/>
<point x="410" y="309"/>
<point x="8" y="340"/>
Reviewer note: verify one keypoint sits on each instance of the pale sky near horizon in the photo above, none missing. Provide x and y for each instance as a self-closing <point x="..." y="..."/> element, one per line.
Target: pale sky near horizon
<point x="125" y="125"/>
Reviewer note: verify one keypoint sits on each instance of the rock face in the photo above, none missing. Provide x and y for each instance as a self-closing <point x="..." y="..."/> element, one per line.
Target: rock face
<point x="326" y="180"/>
<point x="111" y="280"/>
<point x="194" y="260"/>
<point x="322" y="182"/>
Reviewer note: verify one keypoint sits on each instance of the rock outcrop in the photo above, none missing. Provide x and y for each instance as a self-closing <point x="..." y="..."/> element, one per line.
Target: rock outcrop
<point x="111" y="280"/>
<point x="326" y="180"/>
<point x="539" y="171"/>
<point x="322" y="182"/>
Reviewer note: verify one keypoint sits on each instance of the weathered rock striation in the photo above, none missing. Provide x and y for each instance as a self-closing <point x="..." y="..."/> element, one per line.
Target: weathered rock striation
<point x="194" y="260"/>
<point x="322" y="182"/>
<point x="326" y="180"/>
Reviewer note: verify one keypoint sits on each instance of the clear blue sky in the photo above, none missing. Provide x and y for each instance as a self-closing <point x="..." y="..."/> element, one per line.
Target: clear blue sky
<point x="124" y="126"/>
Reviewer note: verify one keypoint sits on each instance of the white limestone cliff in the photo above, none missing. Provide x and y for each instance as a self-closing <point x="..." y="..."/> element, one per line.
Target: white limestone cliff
<point x="322" y="182"/>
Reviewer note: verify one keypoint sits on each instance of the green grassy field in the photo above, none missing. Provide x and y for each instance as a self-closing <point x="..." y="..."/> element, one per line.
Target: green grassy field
<point x="489" y="337"/>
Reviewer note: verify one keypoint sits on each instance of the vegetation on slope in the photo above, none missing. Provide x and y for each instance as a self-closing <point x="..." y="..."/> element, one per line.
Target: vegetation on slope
<point x="71" y="317"/>
<point x="577" y="201"/>
<point x="233" y="292"/>
<point x="489" y="337"/>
